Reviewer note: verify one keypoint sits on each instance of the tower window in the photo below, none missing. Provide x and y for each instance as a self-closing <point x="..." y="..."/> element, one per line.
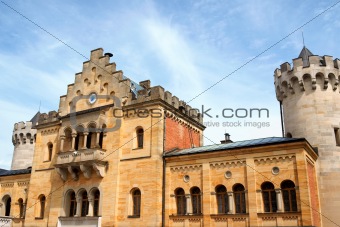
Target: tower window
<point x="84" y="204"/>
<point x="337" y="136"/>
<point x="136" y="200"/>
<point x="42" y="200"/>
<point x="96" y="198"/>
<point x="8" y="206"/>
<point x="50" y="151"/>
<point x="140" y="137"/>
<point x="21" y="207"/>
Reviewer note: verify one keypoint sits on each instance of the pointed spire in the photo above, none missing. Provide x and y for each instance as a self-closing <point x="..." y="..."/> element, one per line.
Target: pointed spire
<point x="304" y="54"/>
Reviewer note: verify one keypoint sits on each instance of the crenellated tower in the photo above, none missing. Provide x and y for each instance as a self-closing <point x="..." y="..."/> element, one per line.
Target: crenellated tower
<point x="309" y="94"/>
<point x="23" y="139"/>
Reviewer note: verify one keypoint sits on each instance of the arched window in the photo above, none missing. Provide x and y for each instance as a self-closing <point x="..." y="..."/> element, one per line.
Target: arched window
<point x="269" y="197"/>
<point x="73" y="204"/>
<point x="79" y="140"/>
<point x="68" y="140"/>
<point x="50" y="151"/>
<point x="84" y="204"/>
<point x="101" y="136"/>
<point x="222" y="199"/>
<point x="289" y="195"/>
<point x="42" y="200"/>
<point x="240" y="198"/>
<point x="181" y="201"/>
<point x="21" y="207"/>
<point x="196" y="200"/>
<point x="140" y="137"/>
<point x="91" y="137"/>
<point x="136" y="200"/>
<point x="8" y="202"/>
<point x="96" y="197"/>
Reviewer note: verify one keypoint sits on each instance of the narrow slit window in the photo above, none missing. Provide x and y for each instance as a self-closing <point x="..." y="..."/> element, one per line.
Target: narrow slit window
<point x="337" y="136"/>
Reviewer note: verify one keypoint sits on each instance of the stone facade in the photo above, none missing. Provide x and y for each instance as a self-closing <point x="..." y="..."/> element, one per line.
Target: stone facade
<point x="118" y="153"/>
<point x="309" y="93"/>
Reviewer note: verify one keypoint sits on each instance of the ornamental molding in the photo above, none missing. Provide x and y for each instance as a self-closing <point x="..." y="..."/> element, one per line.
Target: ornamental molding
<point x="269" y="218"/>
<point x="290" y="217"/>
<point x="269" y="160"/>
<point x="7" y="185"/>
<point x="239" y="219"/>
<point x="220" y="219"/>
<point x="195" y="219"/>
<point x="187" y="168"/>
<point x="228" y="164"/>
<point x="49" y="131"/>
<point x="23" y="183"/>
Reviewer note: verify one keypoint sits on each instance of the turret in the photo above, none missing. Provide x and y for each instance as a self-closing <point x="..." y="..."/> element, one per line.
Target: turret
<point x="309" y="93"/>
<point x="23" y="139"/>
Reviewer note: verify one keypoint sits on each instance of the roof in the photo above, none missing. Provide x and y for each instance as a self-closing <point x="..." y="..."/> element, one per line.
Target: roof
<point x="234" y="145"/>
<point x="35" y="119"/>
<point x="4" y="172"/>
<point x="304" y="54"/>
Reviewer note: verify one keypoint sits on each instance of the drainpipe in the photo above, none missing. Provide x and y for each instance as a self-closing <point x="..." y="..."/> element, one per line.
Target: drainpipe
<point x="163" y="181"/>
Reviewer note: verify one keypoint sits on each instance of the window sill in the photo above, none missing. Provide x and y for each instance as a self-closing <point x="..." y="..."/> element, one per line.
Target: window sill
<point x="134" y="216"/>
<point x="138" y="148"/>
<point x="38" y="218"/>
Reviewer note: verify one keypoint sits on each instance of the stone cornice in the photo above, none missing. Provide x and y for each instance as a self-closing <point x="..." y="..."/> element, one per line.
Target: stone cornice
<point x="186" y="168"/>
<point x="274" y="159"/>
<point x="231" y="163"/>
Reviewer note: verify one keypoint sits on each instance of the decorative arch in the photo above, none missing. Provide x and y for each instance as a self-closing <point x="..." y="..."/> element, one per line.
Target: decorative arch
<point x="7" y="203"/>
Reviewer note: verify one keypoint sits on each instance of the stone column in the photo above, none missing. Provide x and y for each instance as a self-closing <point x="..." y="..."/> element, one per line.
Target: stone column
<point x="85" y="140"/>
<point x="62" y="138"/>
<point x="91" y="205"/>
<point x="97" y="140"/>
<point x="74" y="135"/>
<point x="79" y="200"/>
<point x="231" y="203"/>
<point x="189" y="205"/>
<point x="279" y="200"/>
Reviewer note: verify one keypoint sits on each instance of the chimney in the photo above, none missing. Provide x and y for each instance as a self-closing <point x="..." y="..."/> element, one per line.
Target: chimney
<point x="226" y="139"/>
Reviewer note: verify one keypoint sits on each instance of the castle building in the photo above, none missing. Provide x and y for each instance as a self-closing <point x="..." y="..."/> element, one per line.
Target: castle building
<point x="121" y="153"/>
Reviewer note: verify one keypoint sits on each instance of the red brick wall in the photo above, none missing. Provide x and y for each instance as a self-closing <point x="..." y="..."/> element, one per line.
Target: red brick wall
<point x="177" y="135"/>
<point x="313" y="194"/>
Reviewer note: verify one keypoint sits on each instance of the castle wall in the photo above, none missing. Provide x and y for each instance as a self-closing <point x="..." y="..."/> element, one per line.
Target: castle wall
<point x="311" y="109"/>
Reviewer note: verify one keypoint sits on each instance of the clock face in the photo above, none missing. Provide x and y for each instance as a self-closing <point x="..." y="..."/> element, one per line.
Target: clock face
<point x="92" y="98"/>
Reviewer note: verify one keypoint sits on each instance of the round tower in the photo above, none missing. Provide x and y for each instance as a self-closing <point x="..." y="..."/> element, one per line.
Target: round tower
<point x="24" y="141"/>
<point x="310" y="97"/>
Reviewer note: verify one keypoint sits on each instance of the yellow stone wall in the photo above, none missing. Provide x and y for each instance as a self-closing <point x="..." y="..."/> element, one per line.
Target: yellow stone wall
<point x="250" y="167"/>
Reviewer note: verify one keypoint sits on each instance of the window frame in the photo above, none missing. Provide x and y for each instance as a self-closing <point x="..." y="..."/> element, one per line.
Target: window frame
<point x="196" y="200"/>
<point x="222" y="199"/>
<point x="271" y="197"/>
<point x="240" y="199"/>
<point x="288" y="195"/>
<point x="181" y="201"/>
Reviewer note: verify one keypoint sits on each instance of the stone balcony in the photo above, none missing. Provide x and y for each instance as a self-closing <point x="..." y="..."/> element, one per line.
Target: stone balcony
<point x="5" y="221"/>
<point x="79" y="221"/>
<point x="82" y="161"/>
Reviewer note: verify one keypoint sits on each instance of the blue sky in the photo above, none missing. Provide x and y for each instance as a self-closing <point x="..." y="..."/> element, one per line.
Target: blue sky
<point x="184" y="46"/>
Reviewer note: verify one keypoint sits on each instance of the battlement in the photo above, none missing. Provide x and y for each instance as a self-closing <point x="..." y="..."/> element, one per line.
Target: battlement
<point x="158" y="93"/>
<point x="307" y="73"/>
<point x="23" y="133"/>
<point x="44" y="118"/>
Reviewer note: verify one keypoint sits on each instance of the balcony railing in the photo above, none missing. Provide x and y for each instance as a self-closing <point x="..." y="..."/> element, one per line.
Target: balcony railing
<point x="84" y="161"/>
<point x="5" y="221"/>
